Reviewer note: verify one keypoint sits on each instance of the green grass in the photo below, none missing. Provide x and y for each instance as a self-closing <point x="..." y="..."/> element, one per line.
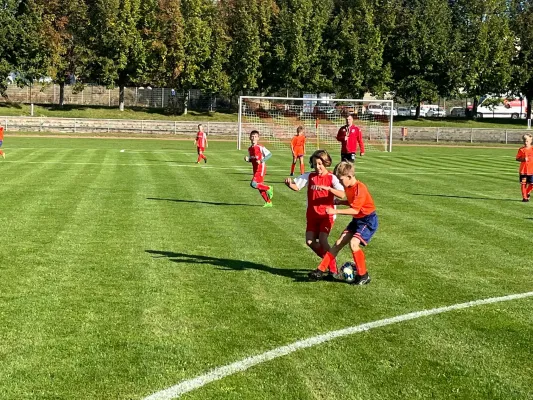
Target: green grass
<point x="100" y="112"/>
<point x="124" y="273"/>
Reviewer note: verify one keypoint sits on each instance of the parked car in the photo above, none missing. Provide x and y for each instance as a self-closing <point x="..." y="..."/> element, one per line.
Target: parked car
<point x="374" y="109"/>
<point x="403" y="111"/>
<point x="387" y="111"/>
<point x="501" y="107"/>
<point x="457" y="112"/>
<point x="436" y="112"/>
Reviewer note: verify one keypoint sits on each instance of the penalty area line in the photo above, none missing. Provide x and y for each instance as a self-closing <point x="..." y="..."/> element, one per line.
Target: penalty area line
<point x="242" y="365"/>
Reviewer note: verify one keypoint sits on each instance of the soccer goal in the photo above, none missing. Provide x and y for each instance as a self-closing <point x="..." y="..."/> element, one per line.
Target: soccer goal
<point x="276" y="119"/>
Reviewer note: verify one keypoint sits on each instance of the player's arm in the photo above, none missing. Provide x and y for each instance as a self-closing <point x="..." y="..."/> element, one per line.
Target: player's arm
<point x="206" y="144"/>
<point x="360" y="142"/>
<point x="521" y="156"/>
<point x="341" y="135"/>
<point x="266" y="155"/>
<point x="336" y="192"/>
<point x="299" y="183"/>
<point x="344" y="211"/>
<point x="289" y="182"/>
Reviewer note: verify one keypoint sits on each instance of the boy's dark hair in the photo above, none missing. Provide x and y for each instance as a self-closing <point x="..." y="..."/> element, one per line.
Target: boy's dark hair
<point x="200" y="126"/>
<point x="344" y="168"/>
<point x="351" y="115"/>
<point x="254" y="132"/>
<point x="299" y="129"/>
<point x="322" y="155"/>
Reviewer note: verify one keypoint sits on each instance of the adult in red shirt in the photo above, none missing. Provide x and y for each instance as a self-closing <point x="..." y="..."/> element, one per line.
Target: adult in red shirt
<point x="350" y="136"/>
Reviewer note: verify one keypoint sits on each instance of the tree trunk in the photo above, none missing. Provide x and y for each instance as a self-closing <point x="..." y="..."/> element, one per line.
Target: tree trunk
<point x="121" y="90"/>
<point x="417" y="113"/>
<point x="61" y="94"/>
<point x="529" y="98"/>
<point x="474" y="108"/>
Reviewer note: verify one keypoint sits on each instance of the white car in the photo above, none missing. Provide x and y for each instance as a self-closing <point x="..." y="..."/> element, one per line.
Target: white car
<point x="387" y="111"/>
<point x="374" y="109"/>
<point x="403" y="111"/>
<point x="436" y="112"/>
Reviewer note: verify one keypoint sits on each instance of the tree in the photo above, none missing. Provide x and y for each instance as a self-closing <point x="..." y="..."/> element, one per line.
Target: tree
<point x="423" y="51"/>
<point x="487" y="46"/>
<point x="522" y="23"/>
<point x="116" y="43"/>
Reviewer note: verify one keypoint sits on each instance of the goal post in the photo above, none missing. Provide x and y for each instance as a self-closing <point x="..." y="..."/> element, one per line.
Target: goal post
<point x="276" y="119"/>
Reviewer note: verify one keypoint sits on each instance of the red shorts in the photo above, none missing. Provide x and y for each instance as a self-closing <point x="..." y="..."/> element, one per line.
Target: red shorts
<point x="320" y="225"/>
<point x="258" y="178"/>
<point x="200" y="149"/>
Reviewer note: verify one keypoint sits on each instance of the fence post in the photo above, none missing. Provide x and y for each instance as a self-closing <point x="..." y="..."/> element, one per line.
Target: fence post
<point x="438" y="135"/>
<point x="109" y="96"/>
<point x="175" y="127"/>
<point x="142" y="126"/>
<point x="506" y="136"/>
<point x="75" y="124"/>
<point x="207" y="128"/>
<point x="163" y="97"/>
<point x="5" y="125"/>
<point x="41" y="124"/>
<point x="471" y="135"/>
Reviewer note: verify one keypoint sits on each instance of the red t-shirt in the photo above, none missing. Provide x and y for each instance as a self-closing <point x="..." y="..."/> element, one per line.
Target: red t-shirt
<point x="257" y="153"/>
<point x="318" y="200"/>
<point x="201" y="139"/>
<point x="350" y="137"/>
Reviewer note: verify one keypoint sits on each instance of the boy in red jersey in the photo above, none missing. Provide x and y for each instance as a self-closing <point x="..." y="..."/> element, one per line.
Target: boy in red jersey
<point x="319" y="223"/>
<point x="525" y="157"/>
<point x="258" y="155"/>
<point x="362" y="227"/>
<point x="298" y="150"/>
<point x="201" y="144"/>
<point x="350" y="135"/>
<point x="1" y="141"/>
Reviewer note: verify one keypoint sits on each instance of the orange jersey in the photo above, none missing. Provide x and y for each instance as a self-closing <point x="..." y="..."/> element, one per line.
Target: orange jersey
<point x="359" y="199"/>
<point x="526" y="167"/>
<point x="297" y="145"/>
<point x="1" y="133"/>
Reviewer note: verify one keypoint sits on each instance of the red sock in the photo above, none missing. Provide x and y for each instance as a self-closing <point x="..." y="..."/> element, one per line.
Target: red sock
<point x="202" y="156"/>
<point x="324" y="264"/>
<point x="264" y="196"/>
<point x="302" y="169"/>
<point x="524" y="191"/>
<point x="360" y="263"/>
<point x="292" y="168"/>
<point x="333" y="266"/>
<point x="199" y="158"/>
<point x="529" y="189"/>
<point x="260" y="186"/>
<point x="321" y="253"/>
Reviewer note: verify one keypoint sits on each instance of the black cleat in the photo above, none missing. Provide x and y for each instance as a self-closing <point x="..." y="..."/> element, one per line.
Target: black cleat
<point x="205" y="160"/>
<point x="361" y="279"/>
<point x="525" y="200"/>
<point x="317" y="275"/>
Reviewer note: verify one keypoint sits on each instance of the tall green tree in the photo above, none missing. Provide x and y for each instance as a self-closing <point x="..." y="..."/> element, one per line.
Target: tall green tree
<point x="487" y="46"/>
<point x="116" y="43"/>
<point x="522" y="27"/>
<point x="422" y="51"/>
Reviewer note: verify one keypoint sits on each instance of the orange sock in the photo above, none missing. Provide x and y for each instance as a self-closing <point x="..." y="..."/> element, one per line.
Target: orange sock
<point x="529" y="189"/>
<point x="360" y="263"/>
<point x="324" y="264"/>
<point x="524" y="191"/>
<point x="302" y="169"/>
<point x="292" y="168"/>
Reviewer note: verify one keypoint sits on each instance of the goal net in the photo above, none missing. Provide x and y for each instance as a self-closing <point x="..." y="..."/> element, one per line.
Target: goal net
<point x="276" y="119"/>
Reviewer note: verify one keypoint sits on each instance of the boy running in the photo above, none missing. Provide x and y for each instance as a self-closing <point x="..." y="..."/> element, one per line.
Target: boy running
<point x="258" y="155"/>
<point x="525" y="157"/>
<point x="201" y="144"/>
<point x="319" y="223"/>
<point x="298" y="150"/>
<point x="362" y="227"/>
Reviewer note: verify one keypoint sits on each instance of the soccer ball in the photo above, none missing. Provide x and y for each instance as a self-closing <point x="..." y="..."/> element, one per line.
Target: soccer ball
<point x="347" y="271"/>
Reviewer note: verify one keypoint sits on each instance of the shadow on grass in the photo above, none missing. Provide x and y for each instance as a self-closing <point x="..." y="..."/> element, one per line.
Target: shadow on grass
<point x="299" y="275"/>
<point x="211" y="203"/>
<point x="463" y="197"/>
<point x="18" y="106"/>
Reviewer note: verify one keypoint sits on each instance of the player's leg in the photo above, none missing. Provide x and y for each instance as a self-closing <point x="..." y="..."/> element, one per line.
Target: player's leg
<point x="523" y="187"/>
<point x="334" y="250"/>
<point x="365" y="228"/>
<point x="1" y="151"/>
<point x="302" y="164"/>
<point x="293" y="164"/>
<point x="529" y="187"/>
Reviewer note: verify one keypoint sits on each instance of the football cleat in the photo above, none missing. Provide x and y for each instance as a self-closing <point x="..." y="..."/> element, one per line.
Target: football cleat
<point x="361" y="279"/>
<point x="270" y="192"/>
<point x="317" y="275"/>
<point x="267" y="205"/>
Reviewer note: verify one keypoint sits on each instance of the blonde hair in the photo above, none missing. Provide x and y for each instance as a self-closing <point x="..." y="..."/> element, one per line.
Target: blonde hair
<point x="344" y="168"/>
<point x="527" y="135"/>
<point x="323" y="155"/>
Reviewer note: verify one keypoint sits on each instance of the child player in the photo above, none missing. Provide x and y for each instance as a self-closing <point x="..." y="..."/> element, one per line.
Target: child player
<point x="258" y="155"/>
<point x="319" y="223"/>
<point x="1" y="141"/>
<point x="201" y="144"/>
<point x="525" y="156"/>
<point x="362" y="227"/>
<point x="298" y="150"/>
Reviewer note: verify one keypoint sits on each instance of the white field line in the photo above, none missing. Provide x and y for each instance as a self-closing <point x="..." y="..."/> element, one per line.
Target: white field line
<point x="242" y="365"/>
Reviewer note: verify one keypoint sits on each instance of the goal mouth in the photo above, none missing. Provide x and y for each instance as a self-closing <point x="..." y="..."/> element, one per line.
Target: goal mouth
<point x="277" y="118"/>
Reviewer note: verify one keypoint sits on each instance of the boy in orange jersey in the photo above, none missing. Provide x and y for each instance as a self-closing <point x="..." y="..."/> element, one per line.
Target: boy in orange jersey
<point x="1" y="141"/>
<point x="201" y="144"/>
<point x="319" y="223"/>
<point x="525" y="157"/>
<point x="298" y="150"/>
<point x="258" y="155"/>
<point x="362" y="227"/>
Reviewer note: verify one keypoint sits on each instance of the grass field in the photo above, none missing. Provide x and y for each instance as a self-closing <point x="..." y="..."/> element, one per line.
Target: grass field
<point x="125" y="273"/>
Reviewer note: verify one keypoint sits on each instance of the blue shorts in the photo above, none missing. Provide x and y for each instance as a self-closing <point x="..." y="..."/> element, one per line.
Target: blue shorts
<point x="363" y="228"/>
<point x="1" y="141"/>
<point x="523" y="178"/>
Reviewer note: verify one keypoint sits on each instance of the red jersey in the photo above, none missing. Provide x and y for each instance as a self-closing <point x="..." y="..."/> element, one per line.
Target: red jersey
<point x="350" y="137"/>
<point x="318" y="200"/>
<point x="526" y="167"/>
<point x="359" y="199"/>
<point x="298" y="144"/>
<point x="258" y="153"/>
<point x="201" y="140"/>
